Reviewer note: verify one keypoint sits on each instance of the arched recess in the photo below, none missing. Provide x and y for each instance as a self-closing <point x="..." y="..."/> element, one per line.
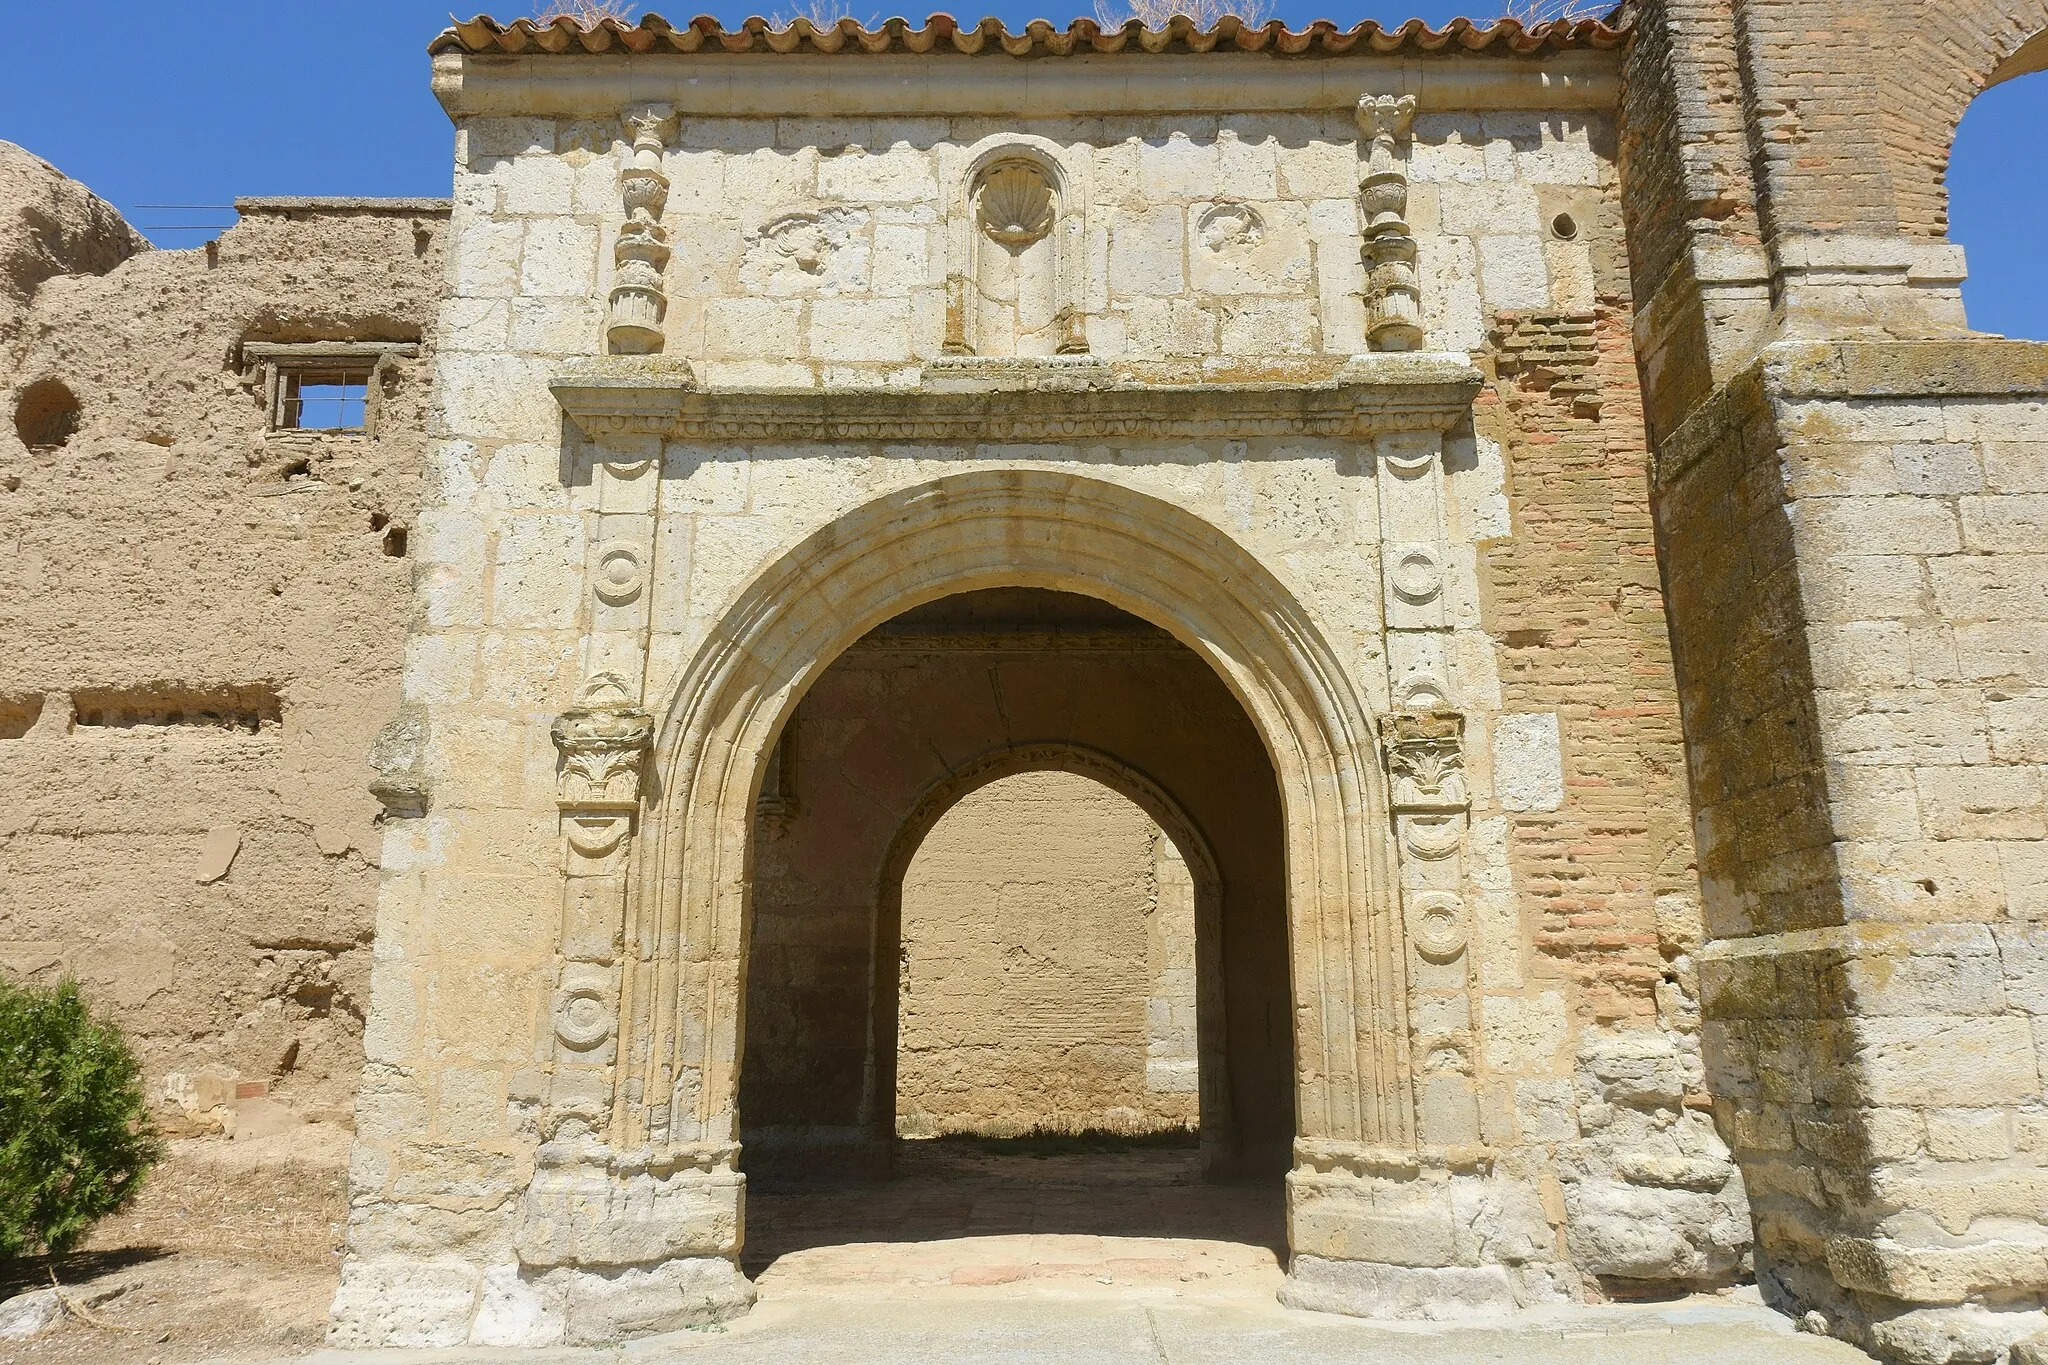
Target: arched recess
<point x="1013" y="528"/>
<point x="1992" y="212"/>
<point x="1931" y="71"/>
<point x="1218" y="1130"/>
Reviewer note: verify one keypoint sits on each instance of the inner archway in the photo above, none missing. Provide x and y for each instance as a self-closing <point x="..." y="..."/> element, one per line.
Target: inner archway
<point x="1125" y="783"/>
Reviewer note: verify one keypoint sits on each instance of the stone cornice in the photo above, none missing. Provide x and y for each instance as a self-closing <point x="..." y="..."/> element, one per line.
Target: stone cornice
<point x="621" y="398"/>
<point x="899" y="84"/>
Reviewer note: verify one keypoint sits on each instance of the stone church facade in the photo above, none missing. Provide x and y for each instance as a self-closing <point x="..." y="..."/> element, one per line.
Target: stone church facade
<point x="1521" y="513"/>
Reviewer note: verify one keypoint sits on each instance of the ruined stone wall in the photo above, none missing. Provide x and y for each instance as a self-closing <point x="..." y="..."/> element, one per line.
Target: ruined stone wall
<point x="1589" y="764"/>
<point x="1847" y="539"/>
<point x="1048" y="979"/>
<point x="206" y="620"/>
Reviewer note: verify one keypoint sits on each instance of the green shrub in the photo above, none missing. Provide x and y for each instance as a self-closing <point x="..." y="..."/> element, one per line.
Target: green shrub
<point x="75" y="1137"/>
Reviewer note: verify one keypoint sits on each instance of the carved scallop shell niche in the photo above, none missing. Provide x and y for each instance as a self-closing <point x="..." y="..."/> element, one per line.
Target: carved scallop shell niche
<point x="1016" y="306"/>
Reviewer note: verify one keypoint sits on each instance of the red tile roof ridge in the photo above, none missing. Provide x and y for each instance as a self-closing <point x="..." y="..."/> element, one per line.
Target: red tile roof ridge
<point x="942" y="33"/>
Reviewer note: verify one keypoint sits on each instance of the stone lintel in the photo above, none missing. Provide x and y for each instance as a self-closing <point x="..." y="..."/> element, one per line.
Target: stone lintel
<point x="1358" y="396"/>
<point x="904" y="84"/>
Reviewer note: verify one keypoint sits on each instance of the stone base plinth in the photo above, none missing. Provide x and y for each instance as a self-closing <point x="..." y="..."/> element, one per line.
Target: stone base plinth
<point x="418" y="1302"/>
<point x="1382" y="1236"/>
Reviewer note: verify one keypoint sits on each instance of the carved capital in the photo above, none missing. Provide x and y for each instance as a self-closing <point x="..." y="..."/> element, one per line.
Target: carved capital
<point x="1386" y="116"/>
<point x="1426" y="760"/>
<point x="649" y="124"/>
<point x="602" y="749"/>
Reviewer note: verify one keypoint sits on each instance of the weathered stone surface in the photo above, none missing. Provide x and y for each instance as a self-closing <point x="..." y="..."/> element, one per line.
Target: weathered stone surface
<point x="602" y="1308"/>
<point x="408" y="1302"/>
<point x="30" y="1315"/>
<point x="1371" y="1290"/>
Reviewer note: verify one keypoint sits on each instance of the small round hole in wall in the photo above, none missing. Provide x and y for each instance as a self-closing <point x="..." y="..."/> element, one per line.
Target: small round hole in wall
<point x="1564" y="227"/>
<point x="46" y="415"/>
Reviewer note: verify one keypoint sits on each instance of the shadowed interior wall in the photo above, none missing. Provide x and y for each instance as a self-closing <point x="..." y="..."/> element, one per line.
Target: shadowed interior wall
<point x="916" y="701"/>
<point x="1048" y="967"/>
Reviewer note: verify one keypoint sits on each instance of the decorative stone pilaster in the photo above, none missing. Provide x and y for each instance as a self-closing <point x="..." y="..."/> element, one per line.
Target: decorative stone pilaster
<point x="1393" y="297"/>
<point x="616" y="1242"/>
<point x="638" y="301"/>
<point x="1425" y="753"/>
<point x="602" y="748"/>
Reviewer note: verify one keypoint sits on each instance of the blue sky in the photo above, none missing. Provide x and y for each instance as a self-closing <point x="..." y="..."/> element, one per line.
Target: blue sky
<point x="200" y="101"/>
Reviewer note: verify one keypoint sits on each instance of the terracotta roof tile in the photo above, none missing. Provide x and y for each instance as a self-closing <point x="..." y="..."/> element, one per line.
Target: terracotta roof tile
<point x="942" y="33"/>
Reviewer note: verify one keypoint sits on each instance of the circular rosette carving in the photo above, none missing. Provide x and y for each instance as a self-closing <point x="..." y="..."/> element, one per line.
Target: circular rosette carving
<point x="1436" y="925"/>
<point x="1418" y="575"/>
<point x="1015" y="205"/>
<point x="583" y="1017"/>
<point x="619" y="575"/>
<point x="1228" y="227"/>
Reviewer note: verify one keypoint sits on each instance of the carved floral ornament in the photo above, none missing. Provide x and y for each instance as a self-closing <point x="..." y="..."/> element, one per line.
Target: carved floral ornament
<point x="1426" y="759"/>
<point x="603" y="749"/>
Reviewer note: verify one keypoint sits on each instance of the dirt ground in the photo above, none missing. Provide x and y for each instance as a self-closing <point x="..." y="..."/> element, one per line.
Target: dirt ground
<point x="230" y="1253"/>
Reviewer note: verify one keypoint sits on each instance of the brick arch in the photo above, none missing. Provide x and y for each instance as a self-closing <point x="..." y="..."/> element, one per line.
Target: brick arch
<point x="1935" y="68"/>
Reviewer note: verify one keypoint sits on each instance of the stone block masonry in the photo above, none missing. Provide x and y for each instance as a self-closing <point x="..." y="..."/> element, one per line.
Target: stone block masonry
<point x="1854" y="516"/>
<point x="1521" y="513"/>
<point x="905" y="358"/>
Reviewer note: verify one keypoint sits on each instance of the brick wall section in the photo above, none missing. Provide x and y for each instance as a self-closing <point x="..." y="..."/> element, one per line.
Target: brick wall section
<point x="1684" y="148"/>
<point x="1930" y="74"/>
<point x="1853" y="107"/>
<point x="1816" y="130"/>
<point x="1574" y="601"/>
<point x="1686" y="188"/>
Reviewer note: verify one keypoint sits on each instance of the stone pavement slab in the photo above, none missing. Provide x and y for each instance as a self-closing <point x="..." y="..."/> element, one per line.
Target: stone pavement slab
<point x="961" y="1328"/>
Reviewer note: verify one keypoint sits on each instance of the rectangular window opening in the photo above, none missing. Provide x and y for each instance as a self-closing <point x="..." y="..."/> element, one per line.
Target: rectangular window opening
<point x="325" y="399"/>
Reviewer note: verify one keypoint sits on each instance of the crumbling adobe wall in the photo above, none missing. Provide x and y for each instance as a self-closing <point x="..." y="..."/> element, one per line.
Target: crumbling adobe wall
<point x="205" y="622"/>
<point x="51" y="225"/>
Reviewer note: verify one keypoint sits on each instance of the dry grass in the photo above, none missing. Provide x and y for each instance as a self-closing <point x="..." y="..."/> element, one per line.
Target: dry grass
<point x="292" y="1214"/>
<point x="225" y="1254"/>
<point x="587" y="12"/>
<point x="1533" y="12"/>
